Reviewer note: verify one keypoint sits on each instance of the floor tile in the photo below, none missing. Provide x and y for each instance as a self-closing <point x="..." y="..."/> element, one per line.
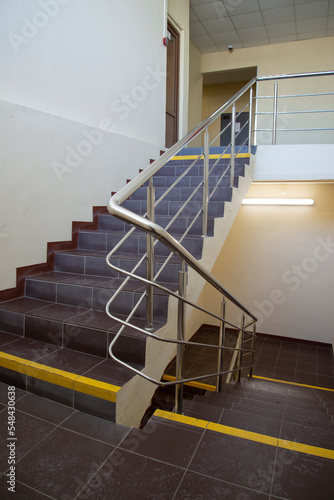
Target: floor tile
<point x="45" y="409"/>
<point x="4" y="393"/>
<point x="239" y="461"/>
<point x="63" y="463"/>
<point x="30" y="349"/>
<point x="28" y="430"/>
<point x="22" y="492"/>
<point x="177" y="442"/>
<point x="59" y="312"/>
<point x="199" y="487"/>
<point x="128" y="476"/>
<point x="308" y="435"/>
<point x="24" y="304"/>
<point x="303" y="477"/>
<point x="111" y="372"/>
<point x="96" y="428"/>
<point x="71" y="361"/>
<point x="6" y="338"/>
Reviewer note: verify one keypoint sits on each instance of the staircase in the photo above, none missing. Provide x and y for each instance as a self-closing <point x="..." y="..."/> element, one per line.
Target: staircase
<point x="54" y="341"/>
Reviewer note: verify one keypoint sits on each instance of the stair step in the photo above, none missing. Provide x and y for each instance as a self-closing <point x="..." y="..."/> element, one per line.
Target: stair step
<point x="261" y="425"/>
<point x="80" y="329"/>
<point x="81" y="381"/>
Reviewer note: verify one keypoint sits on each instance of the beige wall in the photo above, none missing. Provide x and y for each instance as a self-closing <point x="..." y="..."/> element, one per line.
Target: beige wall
<point x="195" y="89"/>
<point x="293" y="57"/>
<point x="215" y="96"/>
<point x="279" y="261"/>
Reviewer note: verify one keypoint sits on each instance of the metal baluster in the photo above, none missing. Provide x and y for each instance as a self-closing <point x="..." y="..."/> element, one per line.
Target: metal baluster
<point x="221" y="343"/>
<point x="241" y="348"/>
<point x="252" y="347"/>
<point x="150" y="258"/>
<point x="180" y="336"/>
<point x="232" y="146"/>
<point x="250" y="121"/>
<point x="205" y="184"/>
<point x="275" y="112"/>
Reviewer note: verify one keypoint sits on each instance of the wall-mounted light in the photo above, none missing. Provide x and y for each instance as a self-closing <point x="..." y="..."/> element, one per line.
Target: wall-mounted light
<point x="278" y="201"/>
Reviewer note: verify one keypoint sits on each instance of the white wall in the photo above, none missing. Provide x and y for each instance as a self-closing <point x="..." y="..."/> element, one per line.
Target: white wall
<point x="53" y="171"/>
<point x="298" y="162"/>
<point x="87" y="60"/>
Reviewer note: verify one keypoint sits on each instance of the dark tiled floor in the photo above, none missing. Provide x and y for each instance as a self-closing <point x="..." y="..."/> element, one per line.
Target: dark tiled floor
<point x="292" y="361"/>
<point x="62" y="454"/>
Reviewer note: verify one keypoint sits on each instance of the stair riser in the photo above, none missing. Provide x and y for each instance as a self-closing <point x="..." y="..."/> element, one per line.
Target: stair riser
<point x="68" y="397"/>
<point x="177" y="228"/>
<point x="182" y="194"/>
<point x="73" y="336"/>
<point x="178" y="167"/>
<point x="170" y="208"/>
<point x="93" y="298"/>
<point x="135" y="244"/>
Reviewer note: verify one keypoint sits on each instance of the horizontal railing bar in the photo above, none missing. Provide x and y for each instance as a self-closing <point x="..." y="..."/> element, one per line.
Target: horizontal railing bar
<point x="288" y="96"/>
<point x="284" y="96"/>
<point x="292" y="129"/>
<point x="294" y="75"/>
<point x="295" y="112"/>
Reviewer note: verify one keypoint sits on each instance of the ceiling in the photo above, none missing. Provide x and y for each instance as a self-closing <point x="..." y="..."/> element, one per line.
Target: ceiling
<point x="215" y="25"/>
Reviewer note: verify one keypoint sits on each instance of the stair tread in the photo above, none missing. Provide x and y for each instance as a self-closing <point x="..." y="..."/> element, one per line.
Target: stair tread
<point x="68" y="360"/>
<point x="95" y="281"/>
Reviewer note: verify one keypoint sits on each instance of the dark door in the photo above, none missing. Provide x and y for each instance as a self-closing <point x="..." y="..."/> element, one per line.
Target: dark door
<point x="241" y="137"/>
<point x="172" y="91"/>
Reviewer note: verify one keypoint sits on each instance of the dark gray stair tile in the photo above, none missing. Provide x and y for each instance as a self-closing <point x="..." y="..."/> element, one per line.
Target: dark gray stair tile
<point x="67" y="262"/>
<point x="260" y="424"/>
<point x="11" y="322"/>
<point x="92" y="240"/>
<point x="41" y="289"/>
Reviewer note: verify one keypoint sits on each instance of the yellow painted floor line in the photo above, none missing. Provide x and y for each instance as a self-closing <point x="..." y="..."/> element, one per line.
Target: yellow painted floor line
<point x="198" y="385"/>
<point x="250" y="436"/>
<point x="293" y="383"/>
<point x="211" y="157"/>
<point x="58" y="377"/>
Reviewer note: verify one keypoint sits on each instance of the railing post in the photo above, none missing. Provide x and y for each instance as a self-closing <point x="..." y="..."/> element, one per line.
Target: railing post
<point x="150" y="258"/>
<point x="252" y="347"/>
<point x="241" y="348"/>
<point x="180" y="336"/>
<point x="232" y="146"/>
<point x="250" y="120"/>
<point x="205" y="184"/>
<point x="221" y="343"/>
<point x="275" y="112"/>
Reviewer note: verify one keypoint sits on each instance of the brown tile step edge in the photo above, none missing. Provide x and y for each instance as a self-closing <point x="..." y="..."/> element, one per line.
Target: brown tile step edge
<point x="81" y="381"/>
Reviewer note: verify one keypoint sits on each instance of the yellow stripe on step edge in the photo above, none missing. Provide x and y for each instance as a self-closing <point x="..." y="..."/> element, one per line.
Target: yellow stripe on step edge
<point x="293" y="383"/>
<point x="251" y="436"/>
<point x="211" y="157"/>
<point x="58" y="377"/>
<point x="198" y="385"/>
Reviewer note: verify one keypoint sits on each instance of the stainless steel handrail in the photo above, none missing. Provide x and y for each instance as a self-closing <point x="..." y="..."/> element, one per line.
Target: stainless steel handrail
<point x="160" y="234"/>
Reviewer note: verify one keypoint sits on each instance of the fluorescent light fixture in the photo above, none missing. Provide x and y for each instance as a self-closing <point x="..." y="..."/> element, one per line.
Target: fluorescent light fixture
<point x="277" y="201"/>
